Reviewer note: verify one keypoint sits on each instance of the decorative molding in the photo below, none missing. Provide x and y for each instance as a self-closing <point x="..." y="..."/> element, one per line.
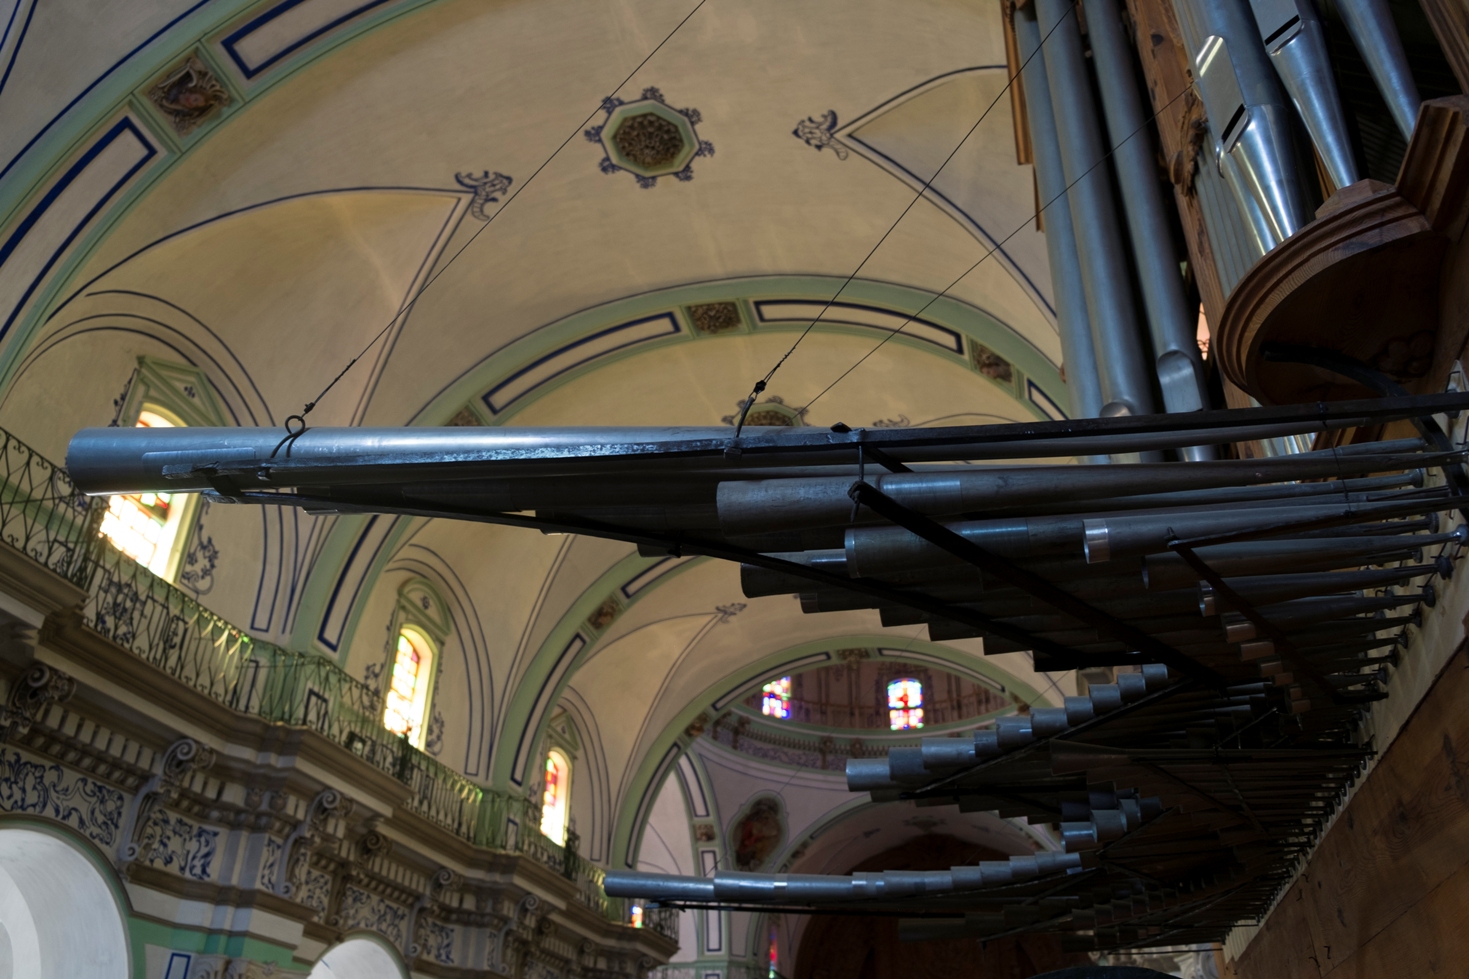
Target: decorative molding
<point x="188" y="95"/>
<point x="712" y="319"/>
<point x="487" y="188"/>
<point x="498" y="959"/>
<point x="889" y="321"/>
<point x="649" y="138"/>
<point x="66" y="209"/>
<point x="34" y="690"/>
<point x="576" y="353"/>
<point x="819" y="132"/>
<point x="140" y="837"/>
<point x="419" y="934"/>
<point x="310" y="833"/>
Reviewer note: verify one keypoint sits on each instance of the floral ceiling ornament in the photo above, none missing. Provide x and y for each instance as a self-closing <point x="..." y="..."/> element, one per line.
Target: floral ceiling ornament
<point x="487" y="188"/>
<point x="820" y="132"/>
<point x="772" y="412"/>
<point x="188" y="94"/>
<point x="649" y="138"/>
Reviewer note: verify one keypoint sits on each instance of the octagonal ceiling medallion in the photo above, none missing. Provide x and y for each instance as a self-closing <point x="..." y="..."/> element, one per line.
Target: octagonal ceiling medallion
<point x="649" y="138"/>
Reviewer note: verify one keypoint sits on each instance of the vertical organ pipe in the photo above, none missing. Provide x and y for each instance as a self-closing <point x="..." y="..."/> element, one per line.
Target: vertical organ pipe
<point x="1296" y="43"/>
<point x="1175" y="348"/>
<point x="1376" y="36"/>
<point x="1248" y="115"/>
<point x="1104" y="274"/>
<point x="1082" y="382"/>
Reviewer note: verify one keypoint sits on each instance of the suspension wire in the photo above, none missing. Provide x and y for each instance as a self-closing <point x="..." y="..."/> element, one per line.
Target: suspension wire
<point x="939" y="295"/>
<point x="498" y="211"/>
<point x="761" y="384"/>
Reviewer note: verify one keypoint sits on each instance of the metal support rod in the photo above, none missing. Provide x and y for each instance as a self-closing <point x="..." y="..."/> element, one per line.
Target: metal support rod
<point x="1120" y="345"/>
<point x="1176" y="355"/>
<point x="1082" y="382"/>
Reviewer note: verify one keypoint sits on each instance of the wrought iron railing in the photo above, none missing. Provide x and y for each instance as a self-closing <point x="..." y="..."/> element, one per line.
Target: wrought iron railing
<point x="44" y="516"/>
<point x="41" y="513"/>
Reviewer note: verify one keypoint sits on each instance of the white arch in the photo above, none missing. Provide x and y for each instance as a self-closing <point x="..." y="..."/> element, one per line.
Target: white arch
<point x="59" y="915"/>
<point x="360" y="957"/>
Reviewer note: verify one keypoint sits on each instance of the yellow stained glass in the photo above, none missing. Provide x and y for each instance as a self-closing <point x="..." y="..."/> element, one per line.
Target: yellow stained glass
<point x="145" y="526"/>
<point x="556" y="797"/>
<point x="405" y="701"/>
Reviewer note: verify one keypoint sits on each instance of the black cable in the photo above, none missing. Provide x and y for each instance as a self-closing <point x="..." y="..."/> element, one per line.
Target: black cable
<point x="937" y="296"/>
<point x="760" y="384"/>
<point x="498" y="211"/>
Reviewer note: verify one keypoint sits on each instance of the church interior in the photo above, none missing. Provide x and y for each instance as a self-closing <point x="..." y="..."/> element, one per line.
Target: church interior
<point x="456" y="521"/>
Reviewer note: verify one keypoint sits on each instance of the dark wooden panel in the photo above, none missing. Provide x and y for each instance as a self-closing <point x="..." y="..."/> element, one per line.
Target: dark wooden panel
<point x="1387" y="891"/>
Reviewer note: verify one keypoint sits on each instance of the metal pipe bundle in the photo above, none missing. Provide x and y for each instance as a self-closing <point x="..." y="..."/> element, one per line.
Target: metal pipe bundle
<point x="1248" y="117"/>
<point x="1171" y="325"/>
<point x="1104" y="272"/>
<point x="1252" y="608"/>
<point x="1083" y="385"/>
<point x="1292" y="34"/>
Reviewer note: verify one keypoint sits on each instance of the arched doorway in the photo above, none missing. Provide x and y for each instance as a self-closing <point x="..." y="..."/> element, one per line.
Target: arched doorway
<point x="840" y="947"/>
<point x="61" y="914"/>
<point x="360" y="957"/>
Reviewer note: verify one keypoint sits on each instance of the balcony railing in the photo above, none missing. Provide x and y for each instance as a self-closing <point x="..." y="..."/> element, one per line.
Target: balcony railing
<point x="44" y="516"/>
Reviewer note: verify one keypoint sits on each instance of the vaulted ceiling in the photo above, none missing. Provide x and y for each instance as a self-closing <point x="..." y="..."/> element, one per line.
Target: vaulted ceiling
<point x="356" y="177"/>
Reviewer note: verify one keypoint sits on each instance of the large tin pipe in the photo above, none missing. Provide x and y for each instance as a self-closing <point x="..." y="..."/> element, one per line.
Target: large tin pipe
<point x="1177" y="359"/>
<point x="1376" y="36"/>
<point x="1165" y="571"/>
<point x="755" y="506"/>
<point x="1120" y="346"/>
<point x="736" y="887"/>
<point x="130" y="460"/>
<point x="1270" y="589"/>
<point x="1248" y="115"/>
<point x="1082" y="383"/>
<point x="872" y="551"/>
<point x="1292" y="34"/>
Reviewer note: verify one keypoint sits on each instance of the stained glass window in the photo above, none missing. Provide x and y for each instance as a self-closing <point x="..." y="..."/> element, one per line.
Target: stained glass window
<point x="637" y="916"/>
<point x="555" y="802"/>
<point x="776" y="698"/>
<point x="905" y="704"/>
<point x="408" y="686"/>
<point x="145" y="526"/>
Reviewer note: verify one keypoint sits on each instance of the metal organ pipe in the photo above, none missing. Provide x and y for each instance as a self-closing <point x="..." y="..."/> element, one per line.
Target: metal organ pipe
<point x="1119" y="346"/>
<point x="1376" y="36"/>
<point x="1175" y="348"/>
<point x="1292" y="34"/>
<point x="1248" y="116"/>
<point x="1082" y="381"/>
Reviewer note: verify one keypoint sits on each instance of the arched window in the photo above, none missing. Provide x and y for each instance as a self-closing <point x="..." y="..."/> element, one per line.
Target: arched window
<point x="407" y="700"/>
<point x="776" y="698"/>
<point x="147" y="527"/>
<point x="556" y="800"/>
<point x="905" y="704"/>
